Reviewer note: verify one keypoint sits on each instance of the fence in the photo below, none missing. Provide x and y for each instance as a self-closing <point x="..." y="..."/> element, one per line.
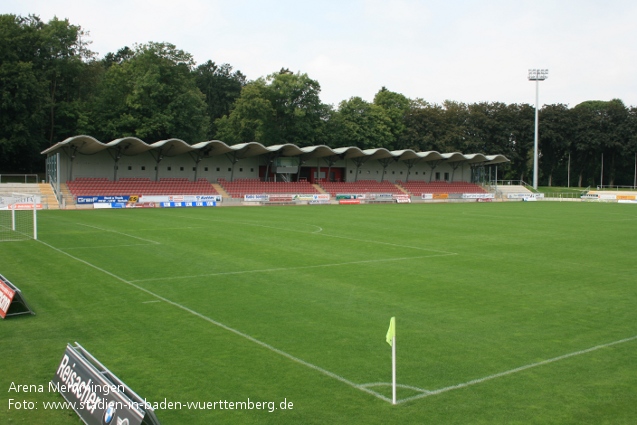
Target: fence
<point x="18" y="178"/>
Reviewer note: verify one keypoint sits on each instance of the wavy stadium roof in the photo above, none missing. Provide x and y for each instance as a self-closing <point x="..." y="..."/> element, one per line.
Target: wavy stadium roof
<point x="87" y="145"/>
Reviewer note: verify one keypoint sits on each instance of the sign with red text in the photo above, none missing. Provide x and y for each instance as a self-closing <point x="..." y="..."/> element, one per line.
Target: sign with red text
<point x="6" y="296"/>
<point x="12" y="302"/>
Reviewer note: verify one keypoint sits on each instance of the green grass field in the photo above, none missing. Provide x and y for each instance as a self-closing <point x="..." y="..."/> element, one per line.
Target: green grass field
<point x="507" y="313"/>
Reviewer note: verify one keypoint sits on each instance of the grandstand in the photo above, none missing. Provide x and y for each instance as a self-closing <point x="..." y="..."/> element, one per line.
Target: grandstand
<point x="99" y="186"/>
<point x="82" y="167"/>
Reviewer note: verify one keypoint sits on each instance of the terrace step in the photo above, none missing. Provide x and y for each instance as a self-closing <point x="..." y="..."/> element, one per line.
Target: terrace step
<point x="221" y="190"/>
<point x="48" y="196"/>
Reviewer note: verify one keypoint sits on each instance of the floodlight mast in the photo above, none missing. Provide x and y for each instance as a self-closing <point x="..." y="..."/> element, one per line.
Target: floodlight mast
<point x="537" y="75"/>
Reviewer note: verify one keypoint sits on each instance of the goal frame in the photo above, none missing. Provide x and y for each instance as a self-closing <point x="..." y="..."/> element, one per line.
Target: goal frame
<point x="22" y="203"/>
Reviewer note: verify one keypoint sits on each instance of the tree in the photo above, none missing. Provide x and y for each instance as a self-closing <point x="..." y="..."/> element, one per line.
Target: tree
<point x="555" y="136"/>
<point x="282" y="108"/>
<point x="64" y="56"/>
<point x="396" y="108"/>
<point x="601" y="128"/>
<point x="519" y="146"/>
<point x="251" y="119"/>
<point x="151" y="95"/>
<point x="425" y="128"/>
<point x="299" y="113"/>
<point x="361" y="124"/>
<point x="221" y="88"/>
<point x="41" y="82"/>
<point x="456" y="118"/>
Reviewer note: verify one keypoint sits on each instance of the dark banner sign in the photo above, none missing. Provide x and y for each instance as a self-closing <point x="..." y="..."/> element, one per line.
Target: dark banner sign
<point x="12" y="303"/>
<point x="340" y="196"/>
<point x="97" y="396"/>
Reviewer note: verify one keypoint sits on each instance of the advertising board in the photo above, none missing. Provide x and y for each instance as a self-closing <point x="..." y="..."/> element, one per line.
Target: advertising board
<point x="12" y="302"/>
<point x="6" y="296"/>
<point x="96" y="395"/>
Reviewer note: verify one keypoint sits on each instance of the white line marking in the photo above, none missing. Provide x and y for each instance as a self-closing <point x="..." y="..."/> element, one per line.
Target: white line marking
<point x="107" y="246"/>
<point x="389" y="384"/>
<point x="361" y="387"/>
<point x="120" y="233"/>
<point x="171" y="228"/>
<point x="228" y="328"/>
<point x="148" y="302"/>
<point x="247" y="223"/>
<point x="320" y="233"/>
<point x="519" y="369"/>
<point x="389" y="244"/>
<point x="279" y="269"/>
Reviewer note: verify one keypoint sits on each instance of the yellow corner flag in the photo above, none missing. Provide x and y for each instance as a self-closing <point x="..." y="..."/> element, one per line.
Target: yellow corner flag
<point x="391" y="333"/>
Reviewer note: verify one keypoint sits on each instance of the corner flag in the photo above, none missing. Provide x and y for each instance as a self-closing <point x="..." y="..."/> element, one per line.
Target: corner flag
<point x="391" y="340"/>
<point x="391" y="333"/>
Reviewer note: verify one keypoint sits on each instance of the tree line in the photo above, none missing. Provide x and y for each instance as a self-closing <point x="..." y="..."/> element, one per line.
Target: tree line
<point x="52" y="86"/>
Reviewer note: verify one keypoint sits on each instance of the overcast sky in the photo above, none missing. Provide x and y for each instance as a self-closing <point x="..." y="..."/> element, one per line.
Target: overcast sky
<point x="466" y="51"/>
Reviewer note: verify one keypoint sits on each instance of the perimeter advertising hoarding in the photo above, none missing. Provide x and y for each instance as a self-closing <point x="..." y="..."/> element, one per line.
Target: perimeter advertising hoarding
<point x="256" y="198"/>
<point x="402" y="199"/>
<point x="97" y="396"/>
<point x="525" y="195"/>
<point x="179" y="198"/>
<point x="102" y="199"/>
<point x="187" y="204"/>
<point x="24" y="206"/>
<point x="12" y="303"/>
<point x="478" y="196"/>
<point x="340" y="196"/>
<point x="144" y="199"/>
<point x="6" y="296"/>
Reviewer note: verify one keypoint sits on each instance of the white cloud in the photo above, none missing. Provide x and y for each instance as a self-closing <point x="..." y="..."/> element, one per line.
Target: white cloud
<point x="463" y="50"/>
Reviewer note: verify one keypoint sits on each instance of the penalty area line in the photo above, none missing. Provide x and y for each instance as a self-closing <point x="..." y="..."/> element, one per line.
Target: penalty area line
<point x="516" y="370"/>
<point x="120" y="233"/>
<point x="285" y="269"/>
<point x="225" y="327"/>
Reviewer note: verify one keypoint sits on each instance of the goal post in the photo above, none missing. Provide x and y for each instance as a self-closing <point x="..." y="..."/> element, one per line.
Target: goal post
<point x="19" y="216"/>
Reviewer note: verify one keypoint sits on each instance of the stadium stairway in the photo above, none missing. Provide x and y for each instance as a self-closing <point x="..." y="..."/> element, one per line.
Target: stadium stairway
<point x="221" y="190"/>
<point x="67" y="197"/>
<point x="319" y="188"/>
<point x="402" y="189"/>
<point x="49" y="201"/>
<point x="502" y="191"/>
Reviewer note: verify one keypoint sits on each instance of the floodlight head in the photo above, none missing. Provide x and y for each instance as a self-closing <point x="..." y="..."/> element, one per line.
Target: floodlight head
<point x="538" y="74"/>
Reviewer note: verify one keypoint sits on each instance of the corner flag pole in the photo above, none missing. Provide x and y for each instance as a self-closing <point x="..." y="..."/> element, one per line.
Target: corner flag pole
<point x="391" y="340"/>
<point x="393" y="370"/>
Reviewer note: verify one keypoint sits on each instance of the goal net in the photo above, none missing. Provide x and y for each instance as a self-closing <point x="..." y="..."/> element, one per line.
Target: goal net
<point x="18" y="217"/>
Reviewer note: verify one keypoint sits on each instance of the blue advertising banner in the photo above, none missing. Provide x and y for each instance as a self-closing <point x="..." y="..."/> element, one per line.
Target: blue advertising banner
<point x="102" y="199"/>
<point x="187" y="204"/>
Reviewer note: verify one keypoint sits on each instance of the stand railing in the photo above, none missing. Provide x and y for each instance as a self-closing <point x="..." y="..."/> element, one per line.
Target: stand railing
<point x="18" y="178"/>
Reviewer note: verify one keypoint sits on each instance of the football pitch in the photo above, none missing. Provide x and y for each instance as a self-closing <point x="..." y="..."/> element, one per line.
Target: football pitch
<point x="506" y="313"/>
